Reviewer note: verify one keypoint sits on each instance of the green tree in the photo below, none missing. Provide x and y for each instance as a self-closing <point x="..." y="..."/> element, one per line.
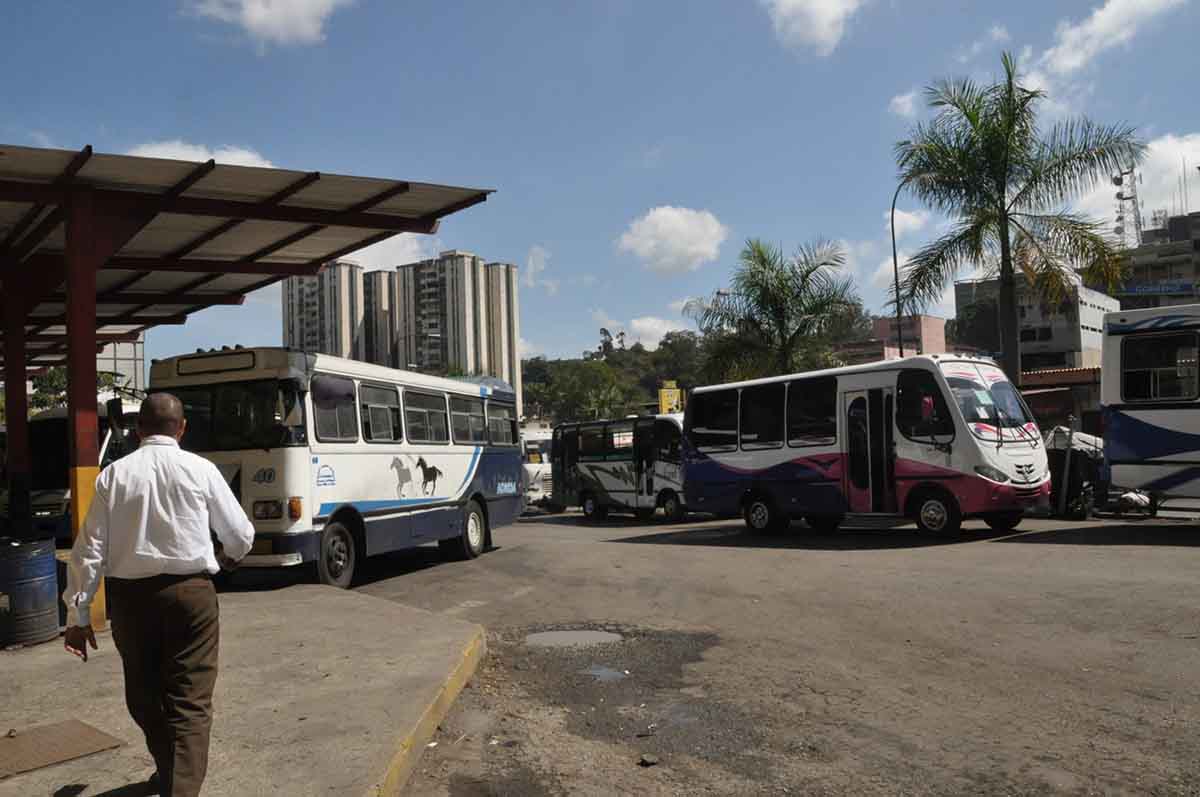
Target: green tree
<point x="50" y="386"/>
<point x="775" y="316"/>
<point x="983" y="161"/>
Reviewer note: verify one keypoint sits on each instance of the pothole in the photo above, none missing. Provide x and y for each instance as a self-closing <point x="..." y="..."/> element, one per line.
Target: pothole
<point x="604" y="674"/>
<point x="567" y="639"/>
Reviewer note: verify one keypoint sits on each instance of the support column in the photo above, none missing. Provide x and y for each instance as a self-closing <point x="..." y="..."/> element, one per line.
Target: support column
<point x="16" y="411"/>
<point x="82" y="262"/>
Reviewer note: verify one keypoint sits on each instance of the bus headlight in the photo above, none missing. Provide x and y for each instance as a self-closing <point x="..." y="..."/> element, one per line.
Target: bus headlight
<point x="268" y="510"/>
<point x="988" y="472"/>
<point x="295" y="507"/>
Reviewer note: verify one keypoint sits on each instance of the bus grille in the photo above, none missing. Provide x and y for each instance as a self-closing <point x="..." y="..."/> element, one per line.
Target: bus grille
<point x="547" y="484"/>
<point x="1027" y="492"/>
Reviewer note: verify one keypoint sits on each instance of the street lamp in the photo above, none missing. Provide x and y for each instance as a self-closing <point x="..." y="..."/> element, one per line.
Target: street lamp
<point x="896" y="269"/>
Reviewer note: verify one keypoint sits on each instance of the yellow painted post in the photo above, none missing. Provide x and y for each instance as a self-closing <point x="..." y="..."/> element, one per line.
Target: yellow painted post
<point x="81" y="370"/>
<point x="669" y="397"/>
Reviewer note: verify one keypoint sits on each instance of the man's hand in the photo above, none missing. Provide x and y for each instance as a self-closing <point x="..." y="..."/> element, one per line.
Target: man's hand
<point x="77" y="638"/>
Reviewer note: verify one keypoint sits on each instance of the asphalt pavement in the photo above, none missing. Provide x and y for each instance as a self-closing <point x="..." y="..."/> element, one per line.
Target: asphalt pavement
<point x="1059" y="658"/>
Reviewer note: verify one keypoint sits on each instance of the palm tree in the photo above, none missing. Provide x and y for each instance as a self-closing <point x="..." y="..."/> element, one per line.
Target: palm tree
<point x="983" y="161"/>
<point x="776" y="306"/>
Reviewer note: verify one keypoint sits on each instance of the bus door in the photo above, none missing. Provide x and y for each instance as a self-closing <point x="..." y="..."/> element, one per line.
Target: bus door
<point x="870" y="458"/>
<point x="566" y="457"/>
<point x="643" y="459"/>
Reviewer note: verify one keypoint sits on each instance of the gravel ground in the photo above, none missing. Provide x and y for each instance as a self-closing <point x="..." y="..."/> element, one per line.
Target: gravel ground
<point x="1059" y="659"/>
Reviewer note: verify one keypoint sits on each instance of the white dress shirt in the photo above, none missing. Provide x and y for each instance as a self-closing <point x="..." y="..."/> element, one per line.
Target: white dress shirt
<point x="151" y="515"/>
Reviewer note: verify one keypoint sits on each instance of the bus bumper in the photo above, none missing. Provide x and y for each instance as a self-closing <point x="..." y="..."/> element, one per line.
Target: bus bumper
<point x="283" y="550"/>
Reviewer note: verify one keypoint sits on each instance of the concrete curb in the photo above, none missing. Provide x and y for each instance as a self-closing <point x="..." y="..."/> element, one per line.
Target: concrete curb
<point x="411" y="745"/>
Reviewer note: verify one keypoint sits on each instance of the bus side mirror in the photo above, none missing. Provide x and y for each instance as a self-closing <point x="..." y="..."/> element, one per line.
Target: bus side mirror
<point x="116" y="413"/>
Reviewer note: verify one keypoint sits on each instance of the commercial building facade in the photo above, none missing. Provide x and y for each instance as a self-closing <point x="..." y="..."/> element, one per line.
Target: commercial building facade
<point x="1165" y="269"/>
<point x="126" y="361"/>
<point x="923" y="334"/>
<point x="1065" y="335"/>
<point x="325" y="314"/>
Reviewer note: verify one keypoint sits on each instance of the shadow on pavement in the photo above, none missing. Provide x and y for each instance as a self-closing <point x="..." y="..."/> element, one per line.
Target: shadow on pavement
<point x="140" y="789"/>
<point x="1109" y="534"/>
<point x="372" y="569"/>
<point x="800" y="537"/>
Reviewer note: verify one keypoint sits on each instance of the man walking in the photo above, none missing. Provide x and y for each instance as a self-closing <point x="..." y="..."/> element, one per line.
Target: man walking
<point x="148" y="531"/>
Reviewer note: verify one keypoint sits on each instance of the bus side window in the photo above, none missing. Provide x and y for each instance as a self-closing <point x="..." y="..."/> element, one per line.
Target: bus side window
<point x="714" y="420"/>
<point x="762" y="416"/>
<point x="921" y="410"/>
<point x="812" y="412"/>
<point x="425" y="415"/>
<point x="333" y="408"/>
<point x="591" y="442"/>
<point x="502" y="424"/>
<point x="380" y="414"/>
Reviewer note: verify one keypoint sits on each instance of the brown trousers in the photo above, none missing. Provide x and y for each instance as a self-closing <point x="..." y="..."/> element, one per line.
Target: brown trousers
<point x="167" y="632"/>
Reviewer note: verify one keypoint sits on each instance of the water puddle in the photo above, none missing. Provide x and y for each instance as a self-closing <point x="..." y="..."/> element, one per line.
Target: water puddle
<point x="603" y="674"/>
<point x="566" y="639"/>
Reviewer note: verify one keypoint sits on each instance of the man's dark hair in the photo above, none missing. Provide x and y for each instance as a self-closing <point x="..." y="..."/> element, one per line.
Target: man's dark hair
<point x="161" y="413"/>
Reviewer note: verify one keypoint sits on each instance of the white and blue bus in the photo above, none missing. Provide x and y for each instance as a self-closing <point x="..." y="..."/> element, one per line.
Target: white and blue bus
<point x="1150" y="396"/>
<point x="336" y="460"/>
<point x="932" y="439"/>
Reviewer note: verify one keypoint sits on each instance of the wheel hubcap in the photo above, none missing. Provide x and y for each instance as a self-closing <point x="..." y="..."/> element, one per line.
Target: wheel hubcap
<point x="933" y="515"/>
<point x="474" y="531"/>
<point x="759" y="515"/>
<point x="589" y="507"/>
<point x="669" y="507"/>
<point x="337" y="556"/>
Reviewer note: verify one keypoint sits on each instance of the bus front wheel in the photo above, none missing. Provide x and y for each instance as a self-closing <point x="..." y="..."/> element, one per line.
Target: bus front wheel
<point x="937" y="513"/>
<point x="1003" y="521"/>
<point x="761" y="516"/>
<point x="339" y="555"/>
<point x="469" y="544"/>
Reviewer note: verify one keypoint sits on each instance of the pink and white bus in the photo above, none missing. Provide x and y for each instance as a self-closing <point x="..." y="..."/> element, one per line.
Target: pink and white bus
<point x="931" y="439"/>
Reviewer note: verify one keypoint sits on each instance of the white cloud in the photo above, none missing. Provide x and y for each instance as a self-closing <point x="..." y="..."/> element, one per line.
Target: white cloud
<point x="997" y="34"/>
<point x="179" y="149"/>
<point x="885" y="276"/>
<point x="818" y="24"/>
<point x="1161" y="170"/>
<point x="649" y="330"/>
<point x="535" y="266"/>
<point x="906" y="222"/>
<point x="673" y="240"/>
<point x="396" y="251"/>
<point x="904" y="105"/>
<point x="41" y="139"/>
<point x="859" y="255"/>
<point x="1112" y="24"/>
<point x="273" y="21"/>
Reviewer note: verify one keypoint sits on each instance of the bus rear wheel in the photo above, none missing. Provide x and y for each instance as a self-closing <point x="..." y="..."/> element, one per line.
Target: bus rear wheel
<point x="761" y="516"/>
<point x="673" y="509"/>
<point x="937" y="512"/>
<point x="470" y="542"/>
<point x="339" y="555"/>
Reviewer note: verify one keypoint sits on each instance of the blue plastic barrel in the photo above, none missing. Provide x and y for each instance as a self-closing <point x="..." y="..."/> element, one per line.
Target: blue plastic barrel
<point x="28" y="592"/>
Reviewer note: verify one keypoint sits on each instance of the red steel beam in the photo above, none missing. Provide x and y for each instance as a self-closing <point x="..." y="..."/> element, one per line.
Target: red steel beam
<point x="193" y="265"/>
<point x="43" y="321"/>
<point x="151" y="298"/>
<point x="107" y="337"/>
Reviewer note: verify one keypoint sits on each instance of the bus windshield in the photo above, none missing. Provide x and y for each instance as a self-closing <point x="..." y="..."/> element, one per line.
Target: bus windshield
<point x="990" y="404"/>
<point x="537" y="452"/>
<point x="231" y="416"/>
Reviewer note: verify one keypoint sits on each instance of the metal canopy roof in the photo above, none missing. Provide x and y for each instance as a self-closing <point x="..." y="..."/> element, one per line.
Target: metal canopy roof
<point x="187" y="235"/>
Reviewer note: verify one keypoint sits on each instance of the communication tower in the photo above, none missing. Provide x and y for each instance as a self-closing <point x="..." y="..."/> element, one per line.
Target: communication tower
<point x="1128" y="227"/>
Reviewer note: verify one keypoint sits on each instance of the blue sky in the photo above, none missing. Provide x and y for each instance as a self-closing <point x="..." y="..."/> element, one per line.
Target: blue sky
<point x="634" y="145"/>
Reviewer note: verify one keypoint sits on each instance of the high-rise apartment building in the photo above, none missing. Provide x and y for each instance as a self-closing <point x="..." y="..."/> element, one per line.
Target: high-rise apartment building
<point x="454" y="313"/>
<point x="379" y="318"/>
<point x="458" y="314"/>
<point x="127" y="361"/>
<point x="325" y="313"/>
